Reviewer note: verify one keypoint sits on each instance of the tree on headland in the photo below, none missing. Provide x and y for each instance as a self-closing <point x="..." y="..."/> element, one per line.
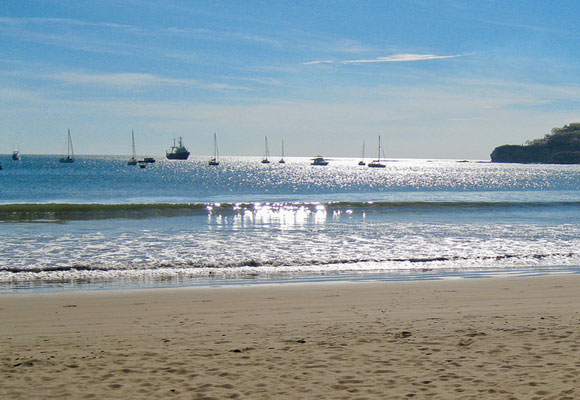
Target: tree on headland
<point x="570" y="128"/>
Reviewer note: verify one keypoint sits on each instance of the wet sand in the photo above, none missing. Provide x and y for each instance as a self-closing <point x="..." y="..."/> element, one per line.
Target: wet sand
<point x="505" y="338"/>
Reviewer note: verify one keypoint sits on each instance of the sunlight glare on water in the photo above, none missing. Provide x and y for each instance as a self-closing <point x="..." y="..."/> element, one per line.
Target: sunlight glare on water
<point x="186" y="219"/>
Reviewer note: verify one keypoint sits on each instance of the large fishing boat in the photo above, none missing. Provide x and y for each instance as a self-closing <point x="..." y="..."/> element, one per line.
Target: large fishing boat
<point x="16" y="155"/>
<point x="177" y="151"/>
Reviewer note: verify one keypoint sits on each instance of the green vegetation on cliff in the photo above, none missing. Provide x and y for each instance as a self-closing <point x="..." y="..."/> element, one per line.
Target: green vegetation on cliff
<point x="562" y="146"/>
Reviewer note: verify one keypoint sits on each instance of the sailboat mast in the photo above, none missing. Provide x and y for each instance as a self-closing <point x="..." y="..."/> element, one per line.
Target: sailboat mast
<point x="215" y="148"/>
<point x="69" y="150"/>
<point x="383" y="151"/>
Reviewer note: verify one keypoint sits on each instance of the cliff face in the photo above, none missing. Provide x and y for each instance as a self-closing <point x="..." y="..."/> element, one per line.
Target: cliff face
<point x="561" y="147"/>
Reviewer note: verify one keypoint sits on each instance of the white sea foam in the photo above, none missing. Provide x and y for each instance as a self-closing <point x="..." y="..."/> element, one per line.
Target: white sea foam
<point x="248" y="220"/>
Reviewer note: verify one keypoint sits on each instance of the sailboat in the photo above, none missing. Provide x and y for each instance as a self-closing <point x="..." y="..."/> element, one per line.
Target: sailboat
<point x="214" y="160"/>
<point x="70" y="155"/>
<point x="282" y="159"/>
<point x="362" y="161"/>
<point x="133" y="159"/>
<point x="377" y="163"/>
<point x="265" y="159"/>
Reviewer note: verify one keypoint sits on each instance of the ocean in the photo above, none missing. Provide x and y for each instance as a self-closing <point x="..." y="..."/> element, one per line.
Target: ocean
<point x="99" y="223"/>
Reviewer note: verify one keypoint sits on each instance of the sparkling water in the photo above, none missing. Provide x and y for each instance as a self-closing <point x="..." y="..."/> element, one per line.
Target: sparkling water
<point x="102" y="222"/>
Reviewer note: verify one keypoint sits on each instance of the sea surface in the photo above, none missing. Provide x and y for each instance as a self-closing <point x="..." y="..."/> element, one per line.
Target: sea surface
<point x="99" y="223"/>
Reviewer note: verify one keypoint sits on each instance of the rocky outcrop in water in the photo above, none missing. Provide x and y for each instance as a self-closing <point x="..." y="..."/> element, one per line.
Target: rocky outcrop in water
<point x="562" y="146"/>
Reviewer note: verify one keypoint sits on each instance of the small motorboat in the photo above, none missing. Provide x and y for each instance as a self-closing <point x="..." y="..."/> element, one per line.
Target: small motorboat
<point x="319" y="160"/>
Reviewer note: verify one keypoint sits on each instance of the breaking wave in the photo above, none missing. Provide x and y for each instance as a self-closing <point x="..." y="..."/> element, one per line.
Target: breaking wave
<point x="82" y="211"/>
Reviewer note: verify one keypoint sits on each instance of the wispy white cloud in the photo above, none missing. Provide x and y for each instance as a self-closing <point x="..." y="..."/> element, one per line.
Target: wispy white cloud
<point x="349" y="46"/>
<point x="11" y="21"/>
<point x="113" y="80"/>
<point x="393" y="58"/>
<point x="401" y="58"/>
<point x="257" y="39"/>
<point x="134" y="80"/>
<point x="221" y="35"/>
<point x="122" y="39"/>
<point x="16" y="95"/>
<point x="319" y="62"/>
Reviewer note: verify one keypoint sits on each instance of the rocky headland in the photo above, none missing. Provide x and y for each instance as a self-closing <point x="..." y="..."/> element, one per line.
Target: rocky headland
<point x="561" y="146"/>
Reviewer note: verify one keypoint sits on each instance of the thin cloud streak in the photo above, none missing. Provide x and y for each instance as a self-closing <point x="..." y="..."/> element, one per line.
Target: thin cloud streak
<point x="66" y="21"/>
<point x="393" y="58"/>
<point x="319" y="62"/>
<point x="135" y="80"/>
<point x="402" y="58"/>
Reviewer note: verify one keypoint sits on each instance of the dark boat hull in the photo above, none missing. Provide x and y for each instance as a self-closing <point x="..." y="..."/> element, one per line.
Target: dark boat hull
<point x="178" y="156"/>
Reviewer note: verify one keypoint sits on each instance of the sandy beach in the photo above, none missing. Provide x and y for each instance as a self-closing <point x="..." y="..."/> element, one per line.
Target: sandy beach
<point x="500" y="338"/>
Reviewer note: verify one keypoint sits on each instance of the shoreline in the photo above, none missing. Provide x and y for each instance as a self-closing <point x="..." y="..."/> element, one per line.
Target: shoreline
<point x="184" y="281"/>
<point x="455" y="338"/>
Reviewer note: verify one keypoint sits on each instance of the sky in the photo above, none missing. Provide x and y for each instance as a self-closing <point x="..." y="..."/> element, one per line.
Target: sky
<point x="435" y="79"/>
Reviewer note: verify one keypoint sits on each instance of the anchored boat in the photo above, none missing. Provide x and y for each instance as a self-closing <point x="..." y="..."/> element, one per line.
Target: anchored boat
<point x="214" y="160"/>
<point x="377" y="163"/>
<point x="133" y="159"/>
<point x="362" y="159"/>
<point x="281" y="161"/>
<point x="265" y="159"/>
<point x="70" y="155"/>
<point x="319" y="160"/>
<point x="177" y="151"/>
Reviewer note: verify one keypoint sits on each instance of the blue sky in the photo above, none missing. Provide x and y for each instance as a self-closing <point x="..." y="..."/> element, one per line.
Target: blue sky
<point x="436" y="79"/>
